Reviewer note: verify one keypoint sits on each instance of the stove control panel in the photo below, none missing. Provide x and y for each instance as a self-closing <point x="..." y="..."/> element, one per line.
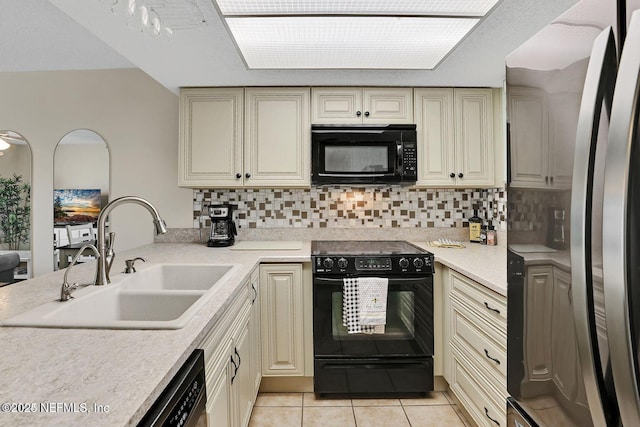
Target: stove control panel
<point x="398" y="264"/>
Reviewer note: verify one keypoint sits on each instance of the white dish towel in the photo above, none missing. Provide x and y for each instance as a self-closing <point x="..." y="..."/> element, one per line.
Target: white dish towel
<point x="364" y="305"/>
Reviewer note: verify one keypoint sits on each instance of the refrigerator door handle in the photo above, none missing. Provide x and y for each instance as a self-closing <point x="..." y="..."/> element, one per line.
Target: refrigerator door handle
<point x="599" y="87"/>
<point x="621" y="327"/>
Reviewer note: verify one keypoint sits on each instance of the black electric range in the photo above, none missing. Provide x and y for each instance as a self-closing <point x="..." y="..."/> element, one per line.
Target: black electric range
<point x="392" y="359"/>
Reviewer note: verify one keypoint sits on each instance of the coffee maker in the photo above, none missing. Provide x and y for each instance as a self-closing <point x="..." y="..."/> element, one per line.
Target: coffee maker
<point x="556" y="237"/>
<point x="223" y="229"/>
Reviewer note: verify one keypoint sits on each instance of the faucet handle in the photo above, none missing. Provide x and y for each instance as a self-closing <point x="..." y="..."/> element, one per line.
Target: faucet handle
<point x="130" y="264"/>
<point x="65" y="291"/>
<point x="110" y="241"/>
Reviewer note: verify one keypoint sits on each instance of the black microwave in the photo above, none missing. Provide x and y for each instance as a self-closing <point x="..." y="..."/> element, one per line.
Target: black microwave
<point x="363" y="154"/>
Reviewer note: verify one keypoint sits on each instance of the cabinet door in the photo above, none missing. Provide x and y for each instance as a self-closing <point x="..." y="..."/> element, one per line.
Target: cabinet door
<point x="282" y="320"/>
<point x="564" y="346"/>
<point x="436" y="146"/>
<point x="474" y="137"/>
<point x="277" y="148"/>
<point x="254" y="330"/>
<point x="387" y="105"/>
<point x="528" y="115"/>
<point x="242" y="386"/>
<point x="538" y="323"/>
<point x="336" y="105"/>
<point x="210" y="137"/>
<point x="218" y="382"/>
<point x="563" y="117"/>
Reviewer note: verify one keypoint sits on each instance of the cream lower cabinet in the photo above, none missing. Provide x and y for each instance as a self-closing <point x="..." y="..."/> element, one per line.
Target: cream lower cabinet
<point x="285" y="321"/>
<point x="475" y="357"/>
<point x="230" y="353"/>
<point x="244" y="137"/>
<point x="459" y="137"/>
<point x="552" y="360"/>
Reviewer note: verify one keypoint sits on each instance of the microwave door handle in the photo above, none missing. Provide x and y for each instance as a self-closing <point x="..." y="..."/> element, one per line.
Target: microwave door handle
<point x="399" y="158"/>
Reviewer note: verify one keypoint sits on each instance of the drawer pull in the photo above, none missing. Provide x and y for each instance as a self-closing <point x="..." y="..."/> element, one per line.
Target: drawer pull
<point x="486" y="353"/>
<point x="255" y="293"/>
<point x="490" y="308"/>
<point x="235" y="369"/>
<point x="486" y="412"/>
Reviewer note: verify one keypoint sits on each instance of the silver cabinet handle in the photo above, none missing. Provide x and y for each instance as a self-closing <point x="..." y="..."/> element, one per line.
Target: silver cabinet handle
<point x="618" y="255"/>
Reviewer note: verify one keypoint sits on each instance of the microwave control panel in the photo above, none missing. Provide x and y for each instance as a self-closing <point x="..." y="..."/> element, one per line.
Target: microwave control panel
<point x="409" y="159"/>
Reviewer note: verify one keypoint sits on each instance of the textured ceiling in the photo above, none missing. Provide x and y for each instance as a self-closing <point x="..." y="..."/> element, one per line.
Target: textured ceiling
<point x="38" y="35"/>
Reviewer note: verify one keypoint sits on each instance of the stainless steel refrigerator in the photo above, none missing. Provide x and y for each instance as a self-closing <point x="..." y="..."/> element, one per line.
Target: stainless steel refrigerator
<point x="573" y="325"/>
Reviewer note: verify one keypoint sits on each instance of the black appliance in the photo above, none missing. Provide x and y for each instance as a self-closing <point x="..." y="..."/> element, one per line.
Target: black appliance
<point x="363" y="154"/>
<point x="573" y="327"/>
<point x="400" y="360"/>
<point x="223" y="229"/>
<point x="183" y="401"/>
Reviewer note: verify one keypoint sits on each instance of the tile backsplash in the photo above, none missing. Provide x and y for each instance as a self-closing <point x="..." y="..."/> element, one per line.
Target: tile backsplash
<point x="348" y="207"/>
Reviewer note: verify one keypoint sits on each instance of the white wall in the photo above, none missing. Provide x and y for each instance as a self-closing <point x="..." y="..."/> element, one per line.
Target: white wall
<point x="138" y="119"/>
<point x="82" y="166"/>
<point x="16" y="159"/>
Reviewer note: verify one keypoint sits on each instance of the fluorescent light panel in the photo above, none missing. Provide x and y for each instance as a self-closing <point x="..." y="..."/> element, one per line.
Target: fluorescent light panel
<point x="345" y="42"/>
<point x="357" y="7"/>
<point x="322" y="34"/>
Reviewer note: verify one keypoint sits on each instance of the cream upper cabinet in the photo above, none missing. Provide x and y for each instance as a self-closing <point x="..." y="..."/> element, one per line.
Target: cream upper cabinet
<point x="251" y="137"/>
<point x="456" y="137"/>
<point x="277" y="148"/>
<point x="345" y="105"/>
<point x="210" y="143"/>
<point x="538" y="128"/>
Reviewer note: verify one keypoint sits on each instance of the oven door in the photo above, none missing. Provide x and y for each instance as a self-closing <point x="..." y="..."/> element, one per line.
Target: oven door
<point x="408" y="329"/>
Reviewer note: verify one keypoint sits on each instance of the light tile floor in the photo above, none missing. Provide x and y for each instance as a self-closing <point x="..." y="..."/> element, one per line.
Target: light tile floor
<point x="308" y="410"/>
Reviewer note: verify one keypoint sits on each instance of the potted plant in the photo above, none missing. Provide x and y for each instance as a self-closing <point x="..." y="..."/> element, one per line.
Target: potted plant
<point x="15" y="211"/>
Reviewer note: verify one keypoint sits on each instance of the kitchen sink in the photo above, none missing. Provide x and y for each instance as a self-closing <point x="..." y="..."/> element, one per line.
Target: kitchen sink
<point x="164" y="296"/>
<point x="177" y="277"/>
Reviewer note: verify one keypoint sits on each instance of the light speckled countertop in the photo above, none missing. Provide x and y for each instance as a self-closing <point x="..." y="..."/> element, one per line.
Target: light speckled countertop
<point x="127" y="369"/>
<point x="486" y="265"/>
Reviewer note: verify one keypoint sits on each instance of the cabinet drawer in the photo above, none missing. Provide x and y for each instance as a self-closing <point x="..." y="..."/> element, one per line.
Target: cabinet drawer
<point x="479" y="398"/>
<point x="490" y="306"/>
<point x="479" y="339"/>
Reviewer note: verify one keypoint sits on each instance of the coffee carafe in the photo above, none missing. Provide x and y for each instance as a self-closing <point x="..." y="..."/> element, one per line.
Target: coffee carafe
<point x="223" y="229"/>
<point x="556" y="237"/>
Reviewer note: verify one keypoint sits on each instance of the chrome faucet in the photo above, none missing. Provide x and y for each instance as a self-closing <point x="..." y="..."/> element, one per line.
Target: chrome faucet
<point x="67" y="289"/>
<point x="106" y="248"/>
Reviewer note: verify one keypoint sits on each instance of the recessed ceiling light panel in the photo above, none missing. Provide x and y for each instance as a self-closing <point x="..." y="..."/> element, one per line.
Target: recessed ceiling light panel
<point x="347" y="42"/>
<point x="357" y="7"/>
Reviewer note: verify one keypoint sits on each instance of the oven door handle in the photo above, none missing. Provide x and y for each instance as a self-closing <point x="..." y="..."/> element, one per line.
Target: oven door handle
<point x="400" y="280"/>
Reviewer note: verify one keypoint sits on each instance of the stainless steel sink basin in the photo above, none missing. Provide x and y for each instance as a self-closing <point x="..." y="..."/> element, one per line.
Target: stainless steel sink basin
<point x="164" y="296"/>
